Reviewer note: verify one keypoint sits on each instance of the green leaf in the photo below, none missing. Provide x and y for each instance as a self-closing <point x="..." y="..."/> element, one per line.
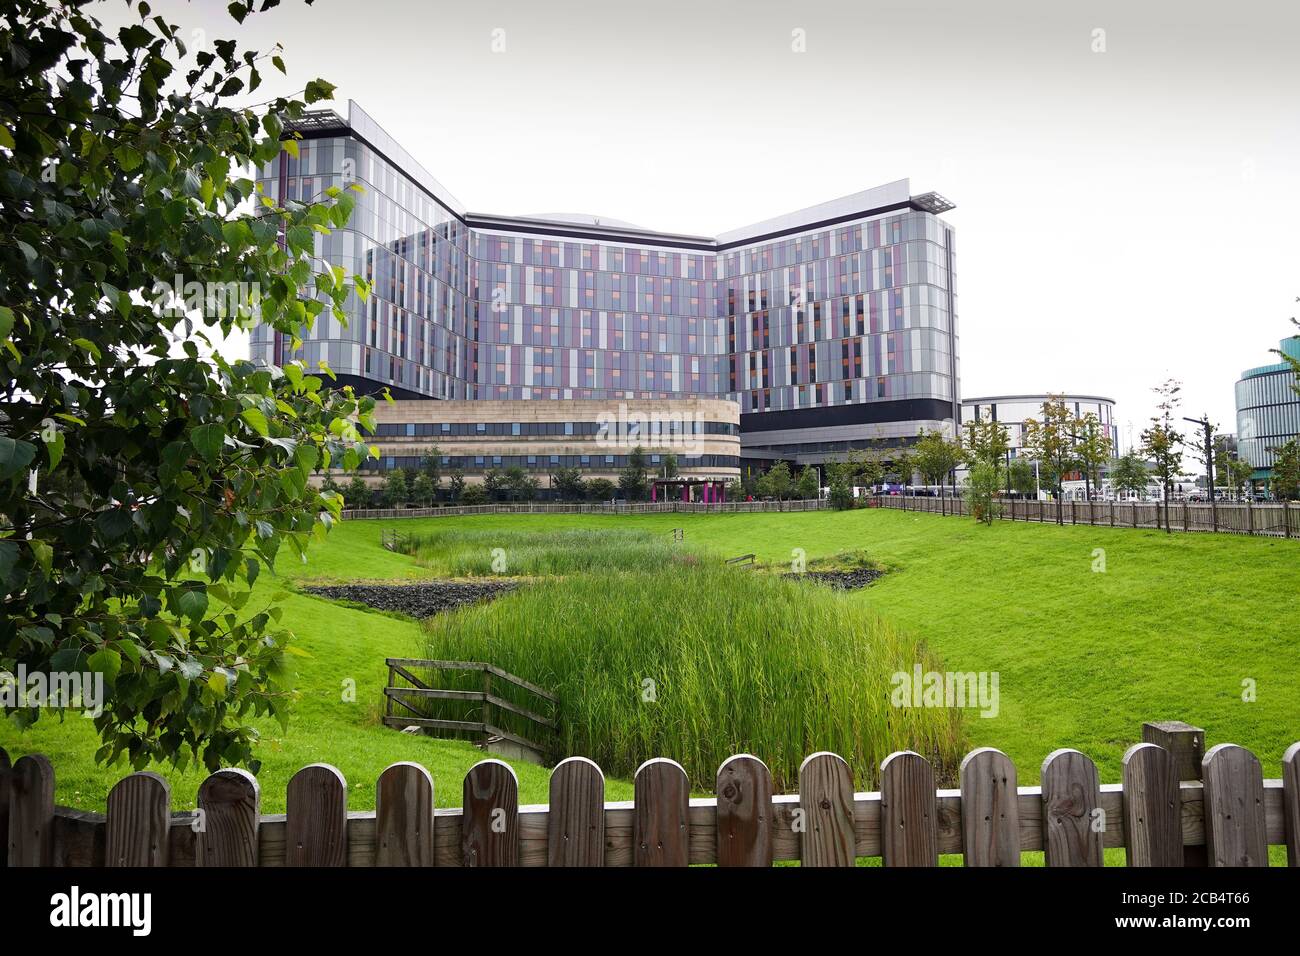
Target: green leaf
<point x="208" y="440"/>
<point x="15" y="456"/>
<point x="318" y="90"/>
<point x="8" y="557"/>
<point x="6" y="321"/>
<point x="54" y="447"/>
<point x="193" y="603"/>
<point x="107" y="662"/>
<point x="44" y="555"/>
<point x="256" y="420"/>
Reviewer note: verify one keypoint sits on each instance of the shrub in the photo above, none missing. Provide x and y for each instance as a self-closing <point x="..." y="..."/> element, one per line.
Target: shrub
<point x="473" y="495"/>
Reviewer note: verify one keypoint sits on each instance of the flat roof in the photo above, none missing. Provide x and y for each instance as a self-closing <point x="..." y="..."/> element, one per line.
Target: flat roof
<point x="1071" y="396"/>
<point x="879" y="200"/>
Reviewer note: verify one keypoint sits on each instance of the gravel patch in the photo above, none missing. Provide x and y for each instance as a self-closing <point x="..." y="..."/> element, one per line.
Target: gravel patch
<point x="840" y="580"/>
<point x="416" y="600"/>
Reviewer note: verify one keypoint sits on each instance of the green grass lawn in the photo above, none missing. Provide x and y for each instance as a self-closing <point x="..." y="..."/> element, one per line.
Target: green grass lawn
<point x="1170" y="630"/>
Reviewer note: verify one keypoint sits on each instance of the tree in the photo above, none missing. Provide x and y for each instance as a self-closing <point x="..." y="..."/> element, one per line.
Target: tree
<point x="600" y="489"/>
<point x="1049" y="441"/>
<point x="839" y="482"/>
<point x="779" y="480"/>
<point x="809" y="485"/>
<point x="1284" y="484"/>
<point x="1230" y="472"/>
<point x="423" y="490"/>
<point x="1129" y="474"/>
<point x="735" y="490"/>
<point x="986" y="440"/>
<point x="474" y="495"/>
<point x="396" y="490"/>
<point x="935" y="456"/>
<point x="431" y="465"/>
<point x="456" y="484"/>
<point x="163" y="483"/>
<point x="669" y="466"/>
<point x="632" y="481"/>
<point x="1020" y="476"/>
<point x="904" y="467"/>
<point x="568" y="484"/>
<point x="494" y="483"/>
<point x="1091" y="450"/>
<point x="1162" y="442"/>
<point x="983" y="484"/>
<point x="520" y="485"/>
<point x="868" y="468"/>
<point x="357" y="494"/>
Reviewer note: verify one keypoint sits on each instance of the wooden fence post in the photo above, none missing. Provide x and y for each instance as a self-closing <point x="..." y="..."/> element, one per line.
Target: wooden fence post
<point x="404" y="816"/>
<point x="1153" y="820"/>
<point x="826" y="802"/>
<point x="575" y="825"/>
<point x="1186" y="746"/>
<point x="316" y="817"/>
<point x="1234" y="807"/>
<point x="908" y="811"/>
<point x="31" y="811"/>
<point x="744" y="790"/>
<point x="490" y="815"/>
<point x="231" y="804"/>
<point x="990" y="809"/>
<point x="661" y="814"/>
<point x="1291" y="803"/>
<point x="1073" y="825"/>
<point x="1250" y="516"/>
<point x="139" y="819"/>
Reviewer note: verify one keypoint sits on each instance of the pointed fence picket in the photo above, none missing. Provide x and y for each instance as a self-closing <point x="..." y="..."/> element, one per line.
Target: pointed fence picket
<point x="1156" y="814"/>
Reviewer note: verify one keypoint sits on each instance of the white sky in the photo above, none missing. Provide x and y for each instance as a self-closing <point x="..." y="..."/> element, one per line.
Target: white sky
<point x="1122" y="216"/>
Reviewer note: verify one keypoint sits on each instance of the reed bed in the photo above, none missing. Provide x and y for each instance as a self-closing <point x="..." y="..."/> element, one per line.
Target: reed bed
<point x="696" y="661"/>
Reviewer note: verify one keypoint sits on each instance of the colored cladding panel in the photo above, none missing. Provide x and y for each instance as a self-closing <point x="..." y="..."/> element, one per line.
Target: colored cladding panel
<point x="856" y="312"/>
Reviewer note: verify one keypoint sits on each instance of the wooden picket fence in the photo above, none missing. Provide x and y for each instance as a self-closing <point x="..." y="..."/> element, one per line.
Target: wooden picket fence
<point x="1233" y="814"/>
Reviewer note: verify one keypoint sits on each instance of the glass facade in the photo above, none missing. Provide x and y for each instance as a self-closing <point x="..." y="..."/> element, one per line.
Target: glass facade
<point x="1268" y="410"/>
<point x="856" y="311"/>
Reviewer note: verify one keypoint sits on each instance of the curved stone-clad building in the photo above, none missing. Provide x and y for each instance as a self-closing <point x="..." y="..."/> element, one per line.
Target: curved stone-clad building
<point x="1268" y="411"/>
<point x="830" y="328"/>
<point x="595" y="436"/>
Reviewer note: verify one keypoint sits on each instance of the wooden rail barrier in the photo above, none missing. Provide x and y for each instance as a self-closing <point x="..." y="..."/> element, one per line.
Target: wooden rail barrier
<point x="588" y="508"/>
<point x="485" y="699"/>
<point x="990" y="820"/>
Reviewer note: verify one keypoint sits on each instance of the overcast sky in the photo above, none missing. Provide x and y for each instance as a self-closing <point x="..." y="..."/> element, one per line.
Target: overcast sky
<point x="1126" y="201"/>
